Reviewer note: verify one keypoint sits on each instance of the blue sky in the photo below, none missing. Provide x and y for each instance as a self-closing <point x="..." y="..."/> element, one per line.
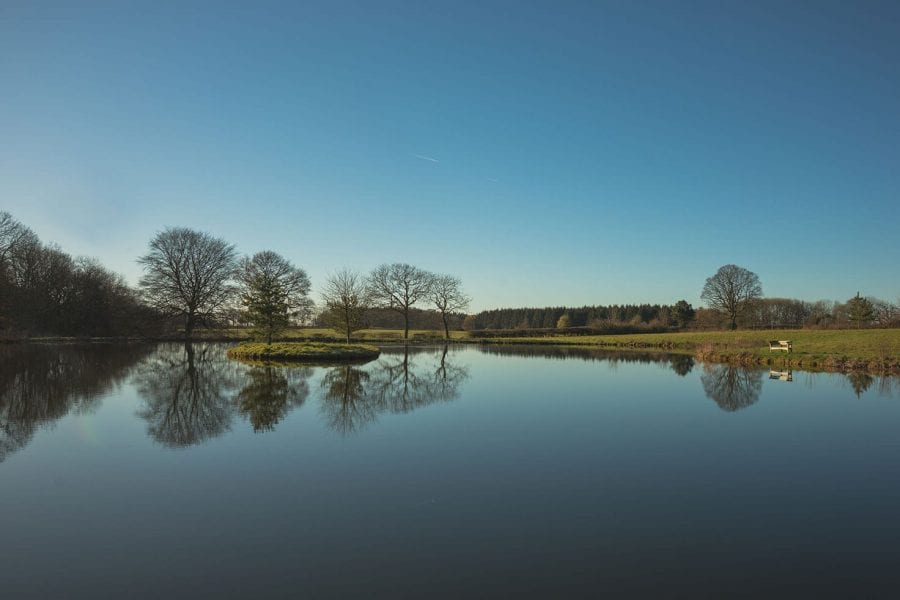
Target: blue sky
<point x="547" y="153"/>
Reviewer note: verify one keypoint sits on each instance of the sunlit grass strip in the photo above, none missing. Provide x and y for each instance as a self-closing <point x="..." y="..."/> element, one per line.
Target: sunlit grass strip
<point x="876" y="350"/>
<point x="303" y="351"/>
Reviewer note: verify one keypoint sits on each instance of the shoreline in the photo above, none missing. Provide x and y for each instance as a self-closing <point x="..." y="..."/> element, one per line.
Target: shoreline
<point x="874" y="351"/>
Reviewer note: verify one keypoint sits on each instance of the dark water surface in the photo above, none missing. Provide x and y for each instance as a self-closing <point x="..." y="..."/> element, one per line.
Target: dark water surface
<point x="161" y="471"/>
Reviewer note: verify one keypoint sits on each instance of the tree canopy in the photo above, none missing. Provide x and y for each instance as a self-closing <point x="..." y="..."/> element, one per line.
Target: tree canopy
<point x="398" y="287"/>
<point x="273" y="291"/>
<point x="187" y="273"/>
<point x="731" y="290"/>
<point x="448" y="297"/>
<point x="346" y="301"/>
<point x="860" y="311"/>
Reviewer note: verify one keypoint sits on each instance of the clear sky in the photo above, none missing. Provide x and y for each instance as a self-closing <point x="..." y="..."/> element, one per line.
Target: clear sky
<point x="547" y="153"/>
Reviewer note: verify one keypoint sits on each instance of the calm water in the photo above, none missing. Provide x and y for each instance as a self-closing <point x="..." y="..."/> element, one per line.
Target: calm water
<point x="154" y="471"/>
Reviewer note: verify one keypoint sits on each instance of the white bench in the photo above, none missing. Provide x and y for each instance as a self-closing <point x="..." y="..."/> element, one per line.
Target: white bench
<point x="785" y="345"/>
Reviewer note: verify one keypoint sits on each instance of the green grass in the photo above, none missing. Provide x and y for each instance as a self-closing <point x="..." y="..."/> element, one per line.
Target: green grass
<point x="872" y="349"/>
<point x="876" y="350"/>
<point x="303" y="351"/>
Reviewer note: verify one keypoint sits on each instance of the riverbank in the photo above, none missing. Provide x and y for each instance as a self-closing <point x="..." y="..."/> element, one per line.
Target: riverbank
<point x="871" y="350"/>
<point x="875" y="351"/>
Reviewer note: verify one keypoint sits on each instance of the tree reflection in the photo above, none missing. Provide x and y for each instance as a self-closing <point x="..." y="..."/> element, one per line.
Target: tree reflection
<point x="41" y="383"/>
<point x="860" y="382"/>
<point x="268" y="396"/>
<point x="396" y="385"/>
<point x="345" y="405"/>
<point x="398" y="382"/>
<point x="186" y="392"/>
<point x="732" y="388"/>
<point x="447" y="377"/>
<point x="682" y="365"/>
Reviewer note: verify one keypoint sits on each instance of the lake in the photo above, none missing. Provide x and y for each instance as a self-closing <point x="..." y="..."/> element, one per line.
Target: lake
<point x="149" y="471"/>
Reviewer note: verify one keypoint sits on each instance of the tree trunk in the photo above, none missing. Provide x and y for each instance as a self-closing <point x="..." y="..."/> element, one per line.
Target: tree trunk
<point x="348" y="333"/>
<point x="406" y="325"/>
<point x="189" y="326"/>
<point x="446" y="327"/>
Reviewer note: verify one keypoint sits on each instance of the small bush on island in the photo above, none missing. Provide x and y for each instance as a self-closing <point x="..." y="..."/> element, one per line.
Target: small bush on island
<point x="303" y="351"/>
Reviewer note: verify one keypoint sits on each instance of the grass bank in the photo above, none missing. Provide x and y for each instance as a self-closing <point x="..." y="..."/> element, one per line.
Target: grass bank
<point x="303" y="351"/>
<point x="873" y="350"/>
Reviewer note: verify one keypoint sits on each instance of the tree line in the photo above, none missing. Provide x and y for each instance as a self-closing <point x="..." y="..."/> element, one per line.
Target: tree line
<point x="192" y="279"/>
<point x="733" y="297"/>
<point x="197" y="277"/>
<point x="45" y="291"/>
<point x="593" y="317"/>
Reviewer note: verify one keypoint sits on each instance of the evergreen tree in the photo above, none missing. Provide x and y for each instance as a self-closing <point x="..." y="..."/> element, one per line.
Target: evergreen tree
<point x="860" y="311"/>
<point x="273" y="291"/>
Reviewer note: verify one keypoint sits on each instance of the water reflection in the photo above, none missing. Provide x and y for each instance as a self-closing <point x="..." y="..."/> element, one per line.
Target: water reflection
<point x="860" y="382"/>
<point x="781" y="375"/>
<point x="399" y="382"/>
<point x="41" y="383"/>
<point x="271" y="392"/>
<point x="187" y="393"/>
<point x="679" y="363"/>
<point x="732" y="388"/>
<point x="192" y="393"/>
<point x="682" y="365"/>
<point x="345" y="406"/>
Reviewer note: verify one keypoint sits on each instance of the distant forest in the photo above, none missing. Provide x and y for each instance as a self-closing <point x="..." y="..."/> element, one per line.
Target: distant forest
<point x="655" y="315"/>
<point x="764" y="313"/>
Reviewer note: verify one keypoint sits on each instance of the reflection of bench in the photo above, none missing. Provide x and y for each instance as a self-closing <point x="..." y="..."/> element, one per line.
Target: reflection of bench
<point x="785" y="345"/>
<point x="781" y="375"/>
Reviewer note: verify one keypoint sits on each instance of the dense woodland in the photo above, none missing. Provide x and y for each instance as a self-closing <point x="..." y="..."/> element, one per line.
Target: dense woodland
<point x="45" y="291"/>
<point x="764" y="313"/>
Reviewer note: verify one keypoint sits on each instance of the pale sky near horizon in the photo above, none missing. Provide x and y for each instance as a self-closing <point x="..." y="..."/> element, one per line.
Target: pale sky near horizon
<point x="554" y="153"/>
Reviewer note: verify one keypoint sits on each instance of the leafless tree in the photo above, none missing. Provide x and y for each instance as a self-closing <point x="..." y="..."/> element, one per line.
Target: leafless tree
<point x="731" y="290"/>
<point x="398" y="287"/>
<point x="346" y="301"/>
<point x="187" y="273"/>
<point x="448" y="297"/>
<point x="12" y="235"/>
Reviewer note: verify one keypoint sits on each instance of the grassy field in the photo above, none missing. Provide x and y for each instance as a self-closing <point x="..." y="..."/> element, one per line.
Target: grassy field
<point x="869" y="349"/>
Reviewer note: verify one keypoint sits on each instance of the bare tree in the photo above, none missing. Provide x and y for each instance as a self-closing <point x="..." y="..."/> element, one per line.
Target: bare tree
<point x="398" y="287"/>
<point x="346" y="301"/>
<point x="12" y="235"/>
<point x="731" y="290"/>
<point x="273" y="291"/>
<point x="187" y="273"/>
<point x="448" y="298"/>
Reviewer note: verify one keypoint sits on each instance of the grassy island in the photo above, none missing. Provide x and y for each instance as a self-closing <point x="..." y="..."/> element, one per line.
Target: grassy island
<point x="303" y="352"/>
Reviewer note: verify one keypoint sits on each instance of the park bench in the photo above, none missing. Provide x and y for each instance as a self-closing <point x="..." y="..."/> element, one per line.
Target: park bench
<point x="785" y="345"/>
